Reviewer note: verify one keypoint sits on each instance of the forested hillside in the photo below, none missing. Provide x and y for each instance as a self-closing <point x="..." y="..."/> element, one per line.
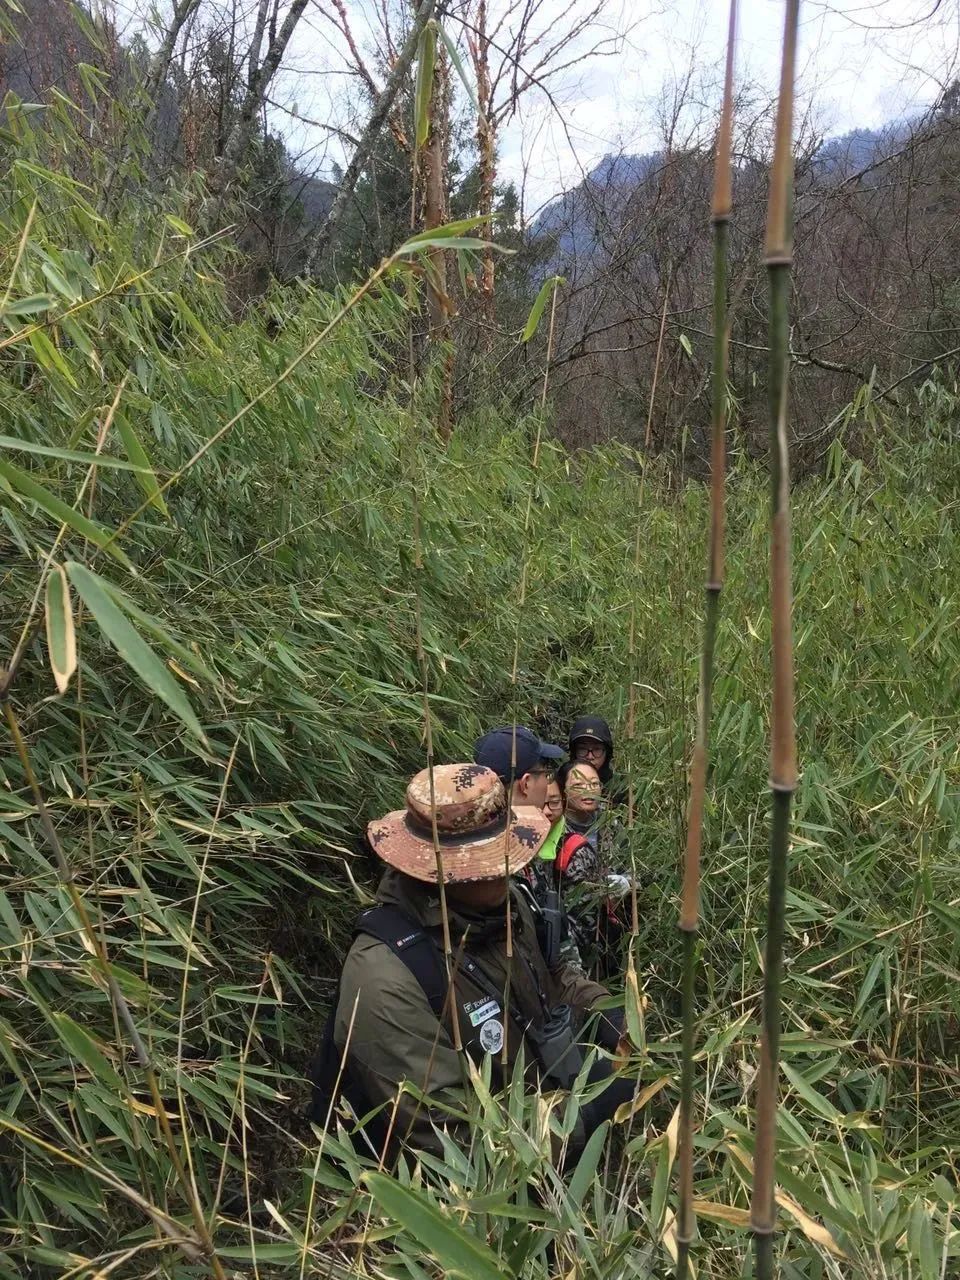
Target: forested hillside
<point x="258" y="535"/>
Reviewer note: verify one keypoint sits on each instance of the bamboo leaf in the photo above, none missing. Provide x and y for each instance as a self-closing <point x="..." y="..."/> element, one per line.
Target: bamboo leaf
<point x="458" y="65"/>
<point x="869" y="982"/>
<point x="59" y="282"/>
<point x="812" y="1229"/>
<point x="138" y="456"/>
<point x="31" y="306"/>
<point x="536" y="311"/>
<point x="82" y="1046"/>
<point x="634" y="1006"/>
<point x="449" y="1243"/>
<point x="49" y="356"/>
<point x="661" y="1179"/>
<point x="193" y="321"/>
<point x="156" y="629"/>
<point x="179" y="225"/>
<point x="587" y="1164"/>
<point x="426" y="62"/>
<point x="437" y="241"/>
<point x="814" y="1100"/>
<point x="726" y="1213"/>
<point x="130" y="645"/>
<point x="669" y="1239"/>
<point x="456" y="228"/>
<point x="628" y="1109"/>
<point x="920" y="1241"/>
<point x="69" y="455"/>
<point x="29" y="488"/>
<point x="61" y="637"/>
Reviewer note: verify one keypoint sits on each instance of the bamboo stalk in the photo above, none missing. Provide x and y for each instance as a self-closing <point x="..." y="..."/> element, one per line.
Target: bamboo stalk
<point x="690" y="901"/>
<point x="783" y="758"/>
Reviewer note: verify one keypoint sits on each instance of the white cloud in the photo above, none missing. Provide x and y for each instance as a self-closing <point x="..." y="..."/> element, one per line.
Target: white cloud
<point x="862" y="62"/>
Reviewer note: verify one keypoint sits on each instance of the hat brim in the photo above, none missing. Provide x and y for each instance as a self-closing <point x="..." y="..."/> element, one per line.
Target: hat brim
<point x="590" y="737"/>
<point x="548" y="751"/>
<point x="488" y="855"/>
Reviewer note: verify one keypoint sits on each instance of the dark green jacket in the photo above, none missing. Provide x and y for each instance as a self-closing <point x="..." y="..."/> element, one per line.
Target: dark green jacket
<point x="395" y="1035"/>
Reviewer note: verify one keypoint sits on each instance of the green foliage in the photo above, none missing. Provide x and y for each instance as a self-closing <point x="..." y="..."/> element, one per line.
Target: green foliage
<point x="547" y="290"/>
<point x="272" y="598"/>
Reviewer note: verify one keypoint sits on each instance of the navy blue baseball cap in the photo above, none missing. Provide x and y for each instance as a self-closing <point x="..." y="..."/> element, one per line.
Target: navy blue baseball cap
<point x="495" y="751"/>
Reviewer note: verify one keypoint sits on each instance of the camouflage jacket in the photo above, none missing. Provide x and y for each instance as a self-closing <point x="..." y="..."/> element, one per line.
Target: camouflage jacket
<point x="578" y="869"/>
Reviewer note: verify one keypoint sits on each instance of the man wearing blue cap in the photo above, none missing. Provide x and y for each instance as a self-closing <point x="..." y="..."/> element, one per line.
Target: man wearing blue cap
<point x="518" y="757"/>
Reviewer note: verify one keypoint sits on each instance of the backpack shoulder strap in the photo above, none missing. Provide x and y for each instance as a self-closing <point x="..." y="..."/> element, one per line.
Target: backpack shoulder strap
<point x="411" y="944"/>
<point x="571" y="844"/>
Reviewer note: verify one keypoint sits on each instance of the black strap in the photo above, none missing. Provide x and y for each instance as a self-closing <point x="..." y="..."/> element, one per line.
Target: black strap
<point x="422" y="955"/>
<point x="411" y="944"/>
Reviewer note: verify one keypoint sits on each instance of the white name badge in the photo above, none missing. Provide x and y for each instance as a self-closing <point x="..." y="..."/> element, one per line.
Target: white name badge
<point x="480" y="1010"/>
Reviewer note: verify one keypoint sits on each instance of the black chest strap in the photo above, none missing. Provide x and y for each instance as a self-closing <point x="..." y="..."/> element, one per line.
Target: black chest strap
<point x="414" y="946"/>
<point x="421" y="953"/>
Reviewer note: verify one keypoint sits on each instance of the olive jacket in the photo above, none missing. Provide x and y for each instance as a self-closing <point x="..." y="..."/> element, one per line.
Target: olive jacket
<point x="395" y="1035"/>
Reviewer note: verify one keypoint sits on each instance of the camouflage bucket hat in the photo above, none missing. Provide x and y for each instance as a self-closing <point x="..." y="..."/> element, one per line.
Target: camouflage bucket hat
<point x="477" y="842"/>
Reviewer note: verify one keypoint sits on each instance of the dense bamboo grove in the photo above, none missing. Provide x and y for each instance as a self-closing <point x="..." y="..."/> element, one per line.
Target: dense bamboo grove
<point x="247" y="691"/>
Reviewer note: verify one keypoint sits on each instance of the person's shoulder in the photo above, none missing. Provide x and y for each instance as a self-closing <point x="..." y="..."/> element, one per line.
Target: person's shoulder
<point x="570" y="845"/>
<point x="372" y="965"/>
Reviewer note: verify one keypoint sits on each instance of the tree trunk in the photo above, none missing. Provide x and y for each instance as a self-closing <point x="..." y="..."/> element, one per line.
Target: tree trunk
<point x="258" y="82"/>
<point x="361" y="156"/>
<point x="434" y="171"/>
<point x="486" y="167"/>
<point x="157" y="75"/>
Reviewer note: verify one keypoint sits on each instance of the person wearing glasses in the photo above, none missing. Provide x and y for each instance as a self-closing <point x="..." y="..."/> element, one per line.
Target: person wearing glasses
<point x="591" y="742"/>
<point x="573" y="865"/>
<point x="553" y="809"/>
<point x="592" y="829"/>
<point x="518" y="757"/>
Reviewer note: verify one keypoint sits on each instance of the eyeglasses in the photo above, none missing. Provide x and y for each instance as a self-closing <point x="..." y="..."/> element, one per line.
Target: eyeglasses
<point x="584" y="788"/>
<point x="583" y="749"/>
<point x="549" y="774"/>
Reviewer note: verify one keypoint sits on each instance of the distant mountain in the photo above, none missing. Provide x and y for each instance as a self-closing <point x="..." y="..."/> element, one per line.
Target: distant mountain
<point x="315" y="196"/>
<point x="850" y="152"/>
<point x="576" y="220"/>
<point x="50" y="39"/>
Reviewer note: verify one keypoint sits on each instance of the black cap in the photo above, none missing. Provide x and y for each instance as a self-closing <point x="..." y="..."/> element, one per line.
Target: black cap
<point x="495" y="750"/>
<point x="591" y="727"/>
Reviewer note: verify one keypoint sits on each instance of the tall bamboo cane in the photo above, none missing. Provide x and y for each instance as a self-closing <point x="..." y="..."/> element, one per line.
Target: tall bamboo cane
<point x="783" y="751"/>
<point x="690" y="902"/>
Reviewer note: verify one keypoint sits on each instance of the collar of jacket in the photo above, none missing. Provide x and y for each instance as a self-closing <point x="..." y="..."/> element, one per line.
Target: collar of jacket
<point x="421" y="903"/>
<point x="588" y="829"/>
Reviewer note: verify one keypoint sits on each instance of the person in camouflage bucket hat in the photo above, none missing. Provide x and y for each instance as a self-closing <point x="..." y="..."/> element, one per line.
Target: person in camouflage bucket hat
<point x="475" y="840"/>
<point x="393" y="1019"/>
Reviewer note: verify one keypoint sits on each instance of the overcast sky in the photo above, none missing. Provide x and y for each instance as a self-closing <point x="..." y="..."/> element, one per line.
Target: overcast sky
<point x="862" y="63"/>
